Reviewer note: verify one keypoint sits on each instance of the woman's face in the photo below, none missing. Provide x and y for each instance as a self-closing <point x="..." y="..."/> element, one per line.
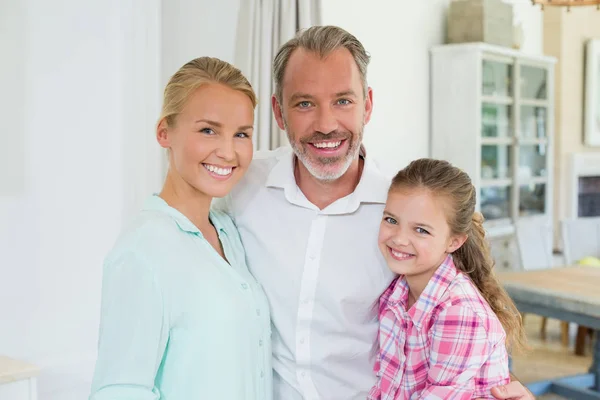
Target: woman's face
<point x="210" y="141"/>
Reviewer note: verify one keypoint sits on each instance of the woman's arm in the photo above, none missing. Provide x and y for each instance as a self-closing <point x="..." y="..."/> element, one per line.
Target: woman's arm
<point x="133" y="332"/>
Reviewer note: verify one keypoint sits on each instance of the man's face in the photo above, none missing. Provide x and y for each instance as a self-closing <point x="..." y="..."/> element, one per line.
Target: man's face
<point x="323" y="110"/>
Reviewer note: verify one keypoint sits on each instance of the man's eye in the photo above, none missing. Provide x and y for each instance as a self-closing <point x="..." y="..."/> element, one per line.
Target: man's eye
<point x="304" y="104"/>
<point x="344" y="102"/>
<point x="390" y="220"/>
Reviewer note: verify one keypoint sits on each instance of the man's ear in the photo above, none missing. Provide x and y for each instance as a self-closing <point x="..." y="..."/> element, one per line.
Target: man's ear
<point x="456" y="241"/>
<point x="368" y="106"/>
<point x="277" y="112"/>
<point x="162" y="134"/>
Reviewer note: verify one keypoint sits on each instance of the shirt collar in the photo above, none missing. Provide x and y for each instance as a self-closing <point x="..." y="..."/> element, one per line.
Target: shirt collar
<point x="157" y="204"/>
<point x="372" y="188"/>
<point x="396" y="296"/>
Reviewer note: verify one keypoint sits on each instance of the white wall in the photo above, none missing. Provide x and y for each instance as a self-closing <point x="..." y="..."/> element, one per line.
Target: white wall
<point x="64" y="108"/>
<point x="398" y="35"/>
<point x="196" y="28"/>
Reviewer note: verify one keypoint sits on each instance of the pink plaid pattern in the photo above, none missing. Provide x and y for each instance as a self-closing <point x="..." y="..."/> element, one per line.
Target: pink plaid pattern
<point x="449" y="345"/>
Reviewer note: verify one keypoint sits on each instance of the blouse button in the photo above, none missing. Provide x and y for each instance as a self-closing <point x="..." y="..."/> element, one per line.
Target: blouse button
<point x="260" y="342"/>
<point x="244" y="286"/>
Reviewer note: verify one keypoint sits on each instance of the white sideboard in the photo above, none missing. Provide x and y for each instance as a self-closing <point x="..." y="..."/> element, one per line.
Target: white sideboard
<point x="17" y="380"/>
<point x="492" y="115"/>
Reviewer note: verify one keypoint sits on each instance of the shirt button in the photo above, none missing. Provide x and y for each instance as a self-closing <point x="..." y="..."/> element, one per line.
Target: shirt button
<point x="260" y="342"/>
<point x="303" y="374"/>
<point x="312" y="257"/>
<point x="262" y="374"/>
<point x="244" y="286"/>
<point x="302" y="341"/>
<point x="258" y="312"/>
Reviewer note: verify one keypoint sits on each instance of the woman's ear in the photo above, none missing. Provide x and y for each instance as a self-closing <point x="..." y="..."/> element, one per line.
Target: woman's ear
<point x="456" y="241"/>
<point x="162" y="134"/>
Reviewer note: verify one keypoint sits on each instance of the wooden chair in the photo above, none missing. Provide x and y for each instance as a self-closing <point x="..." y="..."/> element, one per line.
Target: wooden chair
<point x="581" y="238"/>
<point x="534" y="240"/>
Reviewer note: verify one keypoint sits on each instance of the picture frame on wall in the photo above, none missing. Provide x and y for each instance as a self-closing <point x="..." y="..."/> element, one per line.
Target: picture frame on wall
<point x="592" y="93"/>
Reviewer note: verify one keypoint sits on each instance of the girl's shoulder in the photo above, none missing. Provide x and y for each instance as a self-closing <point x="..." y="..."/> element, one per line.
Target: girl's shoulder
<point x="462" y="294"/>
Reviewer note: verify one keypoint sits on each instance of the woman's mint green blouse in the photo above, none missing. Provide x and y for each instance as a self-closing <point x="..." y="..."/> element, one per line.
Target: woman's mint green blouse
<point x="178" y="322"/>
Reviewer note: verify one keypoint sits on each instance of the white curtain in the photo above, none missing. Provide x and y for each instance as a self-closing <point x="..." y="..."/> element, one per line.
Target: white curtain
<point x="263" y="26"/>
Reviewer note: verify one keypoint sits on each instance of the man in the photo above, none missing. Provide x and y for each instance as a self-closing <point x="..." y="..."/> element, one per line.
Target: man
<point x="309" y="216"/>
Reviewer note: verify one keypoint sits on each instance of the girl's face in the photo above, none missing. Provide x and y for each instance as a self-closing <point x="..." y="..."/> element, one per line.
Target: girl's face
<point x="414" y="235"/>
<point x="211" y="141"/>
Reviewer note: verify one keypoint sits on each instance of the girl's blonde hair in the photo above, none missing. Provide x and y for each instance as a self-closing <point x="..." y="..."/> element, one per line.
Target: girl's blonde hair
<point x="473" y="258"/>
<point x="196" y="73"/>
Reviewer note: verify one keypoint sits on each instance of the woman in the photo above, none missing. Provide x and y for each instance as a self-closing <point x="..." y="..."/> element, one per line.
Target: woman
<point x="182" y="318"/>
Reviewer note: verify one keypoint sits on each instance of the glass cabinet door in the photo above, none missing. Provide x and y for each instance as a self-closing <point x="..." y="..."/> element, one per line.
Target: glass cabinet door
<point x="496" y="120"/>
<point x="532" y="199"/>
<point x="533" y="82"/>
<point x="534" y="122"/>
<point x="497" y="79"/>
<point x="495" y="161"/>
<point x="532" y="162"/>
<point x="495" y="202"/>
<point x="533" y="174"/>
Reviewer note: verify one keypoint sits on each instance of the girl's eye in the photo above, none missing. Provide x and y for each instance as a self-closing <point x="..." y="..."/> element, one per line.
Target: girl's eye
<point x="242" y="135"/>
<point x="208" y="131"/>
<point x="344" y="102"/>
<point x="390" y="220"/>
<point x="422" y="231"/>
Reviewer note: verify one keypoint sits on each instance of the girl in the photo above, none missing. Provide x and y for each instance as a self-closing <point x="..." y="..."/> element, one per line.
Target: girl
<point x="443" y="320"/>
<point x="182" y="318"/>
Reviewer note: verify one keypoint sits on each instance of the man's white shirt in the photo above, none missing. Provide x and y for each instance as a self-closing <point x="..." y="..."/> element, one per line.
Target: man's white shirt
<point x="322" y="273"/>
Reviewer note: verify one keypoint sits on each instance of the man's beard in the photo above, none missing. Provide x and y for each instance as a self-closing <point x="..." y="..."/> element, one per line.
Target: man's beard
<point x="317" y="167"/>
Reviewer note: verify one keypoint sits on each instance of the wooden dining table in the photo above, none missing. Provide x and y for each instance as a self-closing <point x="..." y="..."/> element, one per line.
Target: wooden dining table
<point x="571" y="294"/>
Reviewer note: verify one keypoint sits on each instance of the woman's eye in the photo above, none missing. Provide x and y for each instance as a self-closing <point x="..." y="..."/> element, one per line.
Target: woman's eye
<point x="390" y="220"/>
<point x="242" y="135"/>
<point x="422" y="231"/>
<point x="208" y="131"/>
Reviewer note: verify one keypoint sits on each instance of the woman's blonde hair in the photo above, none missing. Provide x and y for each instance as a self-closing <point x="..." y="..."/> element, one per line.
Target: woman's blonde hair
<point x="196" y="73"/>
<point x="473" y="258"/>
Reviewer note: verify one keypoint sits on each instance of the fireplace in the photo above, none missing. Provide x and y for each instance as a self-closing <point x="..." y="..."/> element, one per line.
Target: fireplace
<point x="588" y="204"/>
<point x="585" y="179"/>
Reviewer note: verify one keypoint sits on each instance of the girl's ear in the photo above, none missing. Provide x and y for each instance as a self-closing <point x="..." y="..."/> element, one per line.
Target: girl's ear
<point x="456" y="241"/>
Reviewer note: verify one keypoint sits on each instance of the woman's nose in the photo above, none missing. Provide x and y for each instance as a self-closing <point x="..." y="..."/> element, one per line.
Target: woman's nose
<point x="226" y="149"/>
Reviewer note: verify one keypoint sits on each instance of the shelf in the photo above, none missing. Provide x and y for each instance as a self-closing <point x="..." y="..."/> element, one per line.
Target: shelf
<point x="495" y="141"/>
<point x="538" y="180"/>
<point x="532" y="141"/>
<point x="534" y="103"/>
<point x="498" y="227"/>
<point x="493" y="51"/>
<point x="486" y="183"/>
<point x="498" y="100"/>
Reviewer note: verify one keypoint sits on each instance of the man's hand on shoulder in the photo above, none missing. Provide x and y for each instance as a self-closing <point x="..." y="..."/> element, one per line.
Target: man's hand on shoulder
<point x="512" y="391"/>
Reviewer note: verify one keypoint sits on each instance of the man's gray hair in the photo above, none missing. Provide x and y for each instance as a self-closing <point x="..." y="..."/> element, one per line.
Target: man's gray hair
<point x="321" y="40"/>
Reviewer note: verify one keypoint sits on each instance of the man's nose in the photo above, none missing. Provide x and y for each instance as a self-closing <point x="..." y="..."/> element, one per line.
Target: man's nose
<point x="326" y="121"/>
